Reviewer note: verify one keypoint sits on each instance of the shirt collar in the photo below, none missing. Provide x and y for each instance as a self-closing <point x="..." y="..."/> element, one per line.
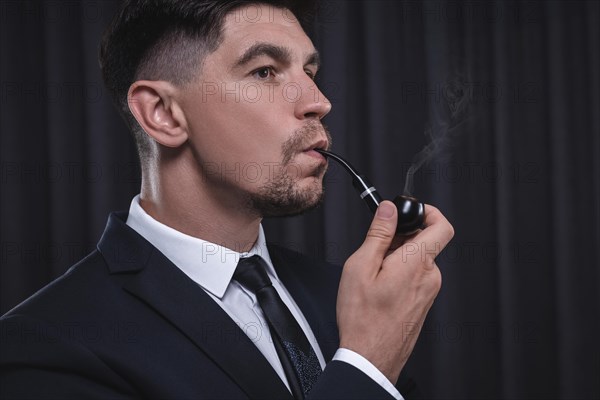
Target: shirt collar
<point x="208" y="264"/>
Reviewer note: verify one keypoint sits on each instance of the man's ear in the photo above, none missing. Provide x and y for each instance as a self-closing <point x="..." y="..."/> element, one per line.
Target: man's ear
<point x="155" y="108"/>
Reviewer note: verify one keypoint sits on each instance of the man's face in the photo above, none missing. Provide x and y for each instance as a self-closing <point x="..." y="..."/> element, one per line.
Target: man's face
<point x="254" y="113"/>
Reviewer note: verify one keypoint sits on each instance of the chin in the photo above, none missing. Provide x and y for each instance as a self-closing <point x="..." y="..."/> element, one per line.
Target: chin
<point x="289" y="209"/>
<point x="287" y="199"/>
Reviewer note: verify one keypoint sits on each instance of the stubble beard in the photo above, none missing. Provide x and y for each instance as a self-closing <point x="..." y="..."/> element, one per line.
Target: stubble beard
<point x="281" y="196"/>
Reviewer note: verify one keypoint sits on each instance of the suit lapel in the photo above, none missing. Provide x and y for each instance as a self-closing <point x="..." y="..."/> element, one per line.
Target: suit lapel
<point x="167" y="290"/>
<point x="313" y="286"/>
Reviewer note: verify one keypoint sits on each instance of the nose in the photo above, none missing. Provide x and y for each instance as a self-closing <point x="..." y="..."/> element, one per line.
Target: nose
<point x="311" y="102"/>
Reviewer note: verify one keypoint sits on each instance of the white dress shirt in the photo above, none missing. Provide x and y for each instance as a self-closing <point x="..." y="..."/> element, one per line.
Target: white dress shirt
<point x="211" y="266"/>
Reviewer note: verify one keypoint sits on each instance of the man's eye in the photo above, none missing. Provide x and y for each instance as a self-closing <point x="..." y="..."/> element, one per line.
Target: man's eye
<point x="310" y="74"/>
<point x="264" y="72"/>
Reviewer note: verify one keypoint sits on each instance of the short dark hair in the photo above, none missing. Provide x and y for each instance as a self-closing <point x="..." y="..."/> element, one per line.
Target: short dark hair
<point x="167" y="40"/>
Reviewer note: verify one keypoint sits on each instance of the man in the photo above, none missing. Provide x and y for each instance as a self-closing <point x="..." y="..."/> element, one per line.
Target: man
<point x="161" y="309"/>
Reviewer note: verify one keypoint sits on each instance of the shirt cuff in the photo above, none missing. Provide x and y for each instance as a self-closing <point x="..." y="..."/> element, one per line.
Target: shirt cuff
<point x="358" y="361"/>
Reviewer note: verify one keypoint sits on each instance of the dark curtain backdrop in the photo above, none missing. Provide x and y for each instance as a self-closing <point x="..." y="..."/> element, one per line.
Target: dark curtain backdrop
<point x="507" y="92"/>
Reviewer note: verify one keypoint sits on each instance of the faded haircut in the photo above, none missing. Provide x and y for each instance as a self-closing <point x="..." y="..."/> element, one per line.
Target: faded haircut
<point x="167" y="40"/>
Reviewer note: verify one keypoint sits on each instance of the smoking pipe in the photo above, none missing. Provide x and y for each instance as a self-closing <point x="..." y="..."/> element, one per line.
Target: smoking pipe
<point x="411" y="212"/>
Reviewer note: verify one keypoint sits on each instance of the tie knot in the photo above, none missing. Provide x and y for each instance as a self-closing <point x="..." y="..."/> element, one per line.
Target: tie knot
<point x="251" y="272"/>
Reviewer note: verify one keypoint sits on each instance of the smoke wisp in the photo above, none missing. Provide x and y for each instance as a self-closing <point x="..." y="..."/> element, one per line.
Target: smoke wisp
<point x="447" y="116"/>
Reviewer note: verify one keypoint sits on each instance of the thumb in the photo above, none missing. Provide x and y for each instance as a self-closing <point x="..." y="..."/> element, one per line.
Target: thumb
<point x="381" y="232"/>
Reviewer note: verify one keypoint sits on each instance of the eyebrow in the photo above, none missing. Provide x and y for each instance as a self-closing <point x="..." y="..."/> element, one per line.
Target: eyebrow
<point x="278" y="53"/>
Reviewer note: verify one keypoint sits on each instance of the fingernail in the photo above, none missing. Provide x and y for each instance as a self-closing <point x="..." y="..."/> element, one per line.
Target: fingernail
<point x="385" y="211"/>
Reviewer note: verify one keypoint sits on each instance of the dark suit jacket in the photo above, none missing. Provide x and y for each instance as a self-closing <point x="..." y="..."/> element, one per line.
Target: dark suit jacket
<point x="126" y="323"/>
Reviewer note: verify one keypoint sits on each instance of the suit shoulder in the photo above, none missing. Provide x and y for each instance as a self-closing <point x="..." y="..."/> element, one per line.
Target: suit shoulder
<point x="74" y="289"/>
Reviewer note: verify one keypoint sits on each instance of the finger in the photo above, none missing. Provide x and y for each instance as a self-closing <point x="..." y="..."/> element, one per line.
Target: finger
<point x="380" y="234"/>
<point x="437" y="232"/>
<point x="426" y="244"/>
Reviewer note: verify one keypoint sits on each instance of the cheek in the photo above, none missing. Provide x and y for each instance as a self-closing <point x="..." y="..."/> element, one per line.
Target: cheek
<point x="239" y="122"/>
<point x="246" y="141"/>
<point x="252" y="93"/>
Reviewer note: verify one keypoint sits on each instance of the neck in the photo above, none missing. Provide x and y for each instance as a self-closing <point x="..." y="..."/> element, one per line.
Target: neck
<point x="177" y="194"/>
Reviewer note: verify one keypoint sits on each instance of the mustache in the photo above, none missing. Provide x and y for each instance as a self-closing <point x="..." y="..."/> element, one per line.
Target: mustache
<point x="304" y="137"/>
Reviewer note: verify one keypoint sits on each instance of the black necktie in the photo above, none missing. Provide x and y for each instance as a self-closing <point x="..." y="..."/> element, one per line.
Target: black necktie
<point x="297" y="356"/>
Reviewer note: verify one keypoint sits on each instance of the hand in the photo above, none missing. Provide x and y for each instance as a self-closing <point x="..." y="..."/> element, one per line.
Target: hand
<point x="385" y="292"/>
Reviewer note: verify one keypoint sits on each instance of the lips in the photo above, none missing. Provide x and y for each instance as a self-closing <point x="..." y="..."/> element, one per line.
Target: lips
<point x="305" y="140"/>
<point x="321" y="144"/>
